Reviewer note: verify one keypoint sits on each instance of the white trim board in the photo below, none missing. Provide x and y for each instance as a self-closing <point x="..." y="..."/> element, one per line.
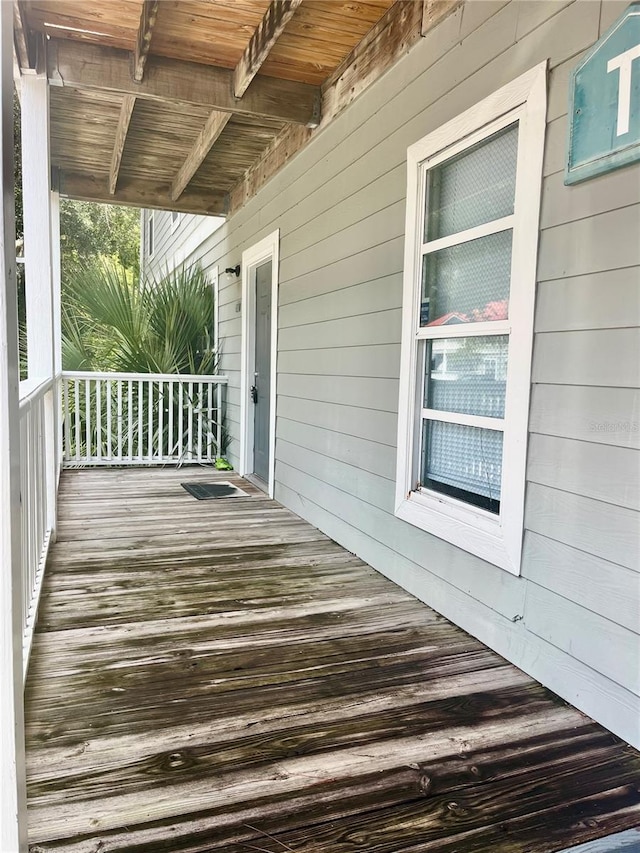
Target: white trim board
<point x="214" y="276"/>
<point x="150" y="235"/>
<point x="266" y="249"/>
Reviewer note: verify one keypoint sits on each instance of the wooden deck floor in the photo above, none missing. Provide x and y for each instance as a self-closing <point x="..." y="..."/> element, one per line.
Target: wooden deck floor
<point x="220" y="676"/>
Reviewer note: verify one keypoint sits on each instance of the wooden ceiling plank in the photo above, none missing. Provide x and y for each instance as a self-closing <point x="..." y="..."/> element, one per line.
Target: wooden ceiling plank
<point x="399" y="29"/>
<point x="148" y="16"/>
<point x="142" y="193"/>
<point x="212" y="129"/>
<point x="128" y="103"/>
<point x="80" y="65"/>
<point x="264" y="38"/>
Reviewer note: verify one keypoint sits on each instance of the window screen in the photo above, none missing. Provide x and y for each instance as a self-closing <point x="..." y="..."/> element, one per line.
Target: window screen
<point x="469" y="206"/>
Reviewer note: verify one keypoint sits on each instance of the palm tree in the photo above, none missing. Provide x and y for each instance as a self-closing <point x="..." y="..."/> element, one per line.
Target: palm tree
<point x="159" y="325"/>
<point x="111" y="323"/>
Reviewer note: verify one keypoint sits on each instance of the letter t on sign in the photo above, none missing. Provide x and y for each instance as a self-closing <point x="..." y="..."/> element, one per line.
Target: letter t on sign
<point x="623" y="63"/>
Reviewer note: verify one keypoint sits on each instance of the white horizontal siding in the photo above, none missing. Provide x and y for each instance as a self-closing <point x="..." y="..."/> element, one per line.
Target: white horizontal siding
<point x="603" y="300"/>
<point x="599" y="414"/>
<point x="595" y="584"/>
<point x="606" y="530"/>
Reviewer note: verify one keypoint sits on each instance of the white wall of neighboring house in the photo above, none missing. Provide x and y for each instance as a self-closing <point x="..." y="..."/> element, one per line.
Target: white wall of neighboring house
<point x="177" y="241"/>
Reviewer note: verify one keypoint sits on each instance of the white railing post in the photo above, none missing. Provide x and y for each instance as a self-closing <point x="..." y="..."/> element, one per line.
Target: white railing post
<point x="219" y="420"/>
<point x="13" y="813"/>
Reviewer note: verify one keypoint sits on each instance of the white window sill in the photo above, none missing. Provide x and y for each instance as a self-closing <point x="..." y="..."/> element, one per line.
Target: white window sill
<point x="473" y="531"/>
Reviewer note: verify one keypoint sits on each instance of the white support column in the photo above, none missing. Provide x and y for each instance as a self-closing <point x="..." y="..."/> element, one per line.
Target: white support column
<point x="57" y="334"/>
<point x="56" y="282"/>
<point x="41" y="226"/>
<point x="13" y="832"/>
<point x="36" y="203"/>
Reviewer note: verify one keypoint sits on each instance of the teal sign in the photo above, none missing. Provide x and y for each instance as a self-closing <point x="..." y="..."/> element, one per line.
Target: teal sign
<point x="604" y="113"/>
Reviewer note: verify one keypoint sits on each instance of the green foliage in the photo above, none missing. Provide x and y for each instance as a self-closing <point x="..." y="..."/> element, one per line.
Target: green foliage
<point x="17" y="195"/>
<point x="113" y="323"/>
<point x="222" y="464"/>
<point x="91" y="232"/>
<point x="17" y="165"/>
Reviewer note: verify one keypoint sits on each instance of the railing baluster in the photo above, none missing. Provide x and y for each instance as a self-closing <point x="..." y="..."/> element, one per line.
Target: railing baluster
<point x="24" y="507"/>
<point x="161" y="399"/>
<point x="140" y="408"/>
<point x="180" y="419"/>
<point x="150" y="421"/>
<point x="66" y="446"/>
<point x="190" y="421"/>
<point x="76" y="391"/>
<point x="41" y="450"/>
<point x="199" y="412"/>
<point x="30" y="500"/>
<point x="130" y="422"/>
<point x="119" y="417"/>
<point x="99" y="419"/>
<point x="87" y="423"/>
<point x="170" y="452"/>
<point x="209" y="419"/>
<point x="109" y="453"/>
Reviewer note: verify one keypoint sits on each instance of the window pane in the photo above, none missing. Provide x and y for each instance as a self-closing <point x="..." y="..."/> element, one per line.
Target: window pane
<point x="473" y="188"/>
<point x="467" y="375"/>
<point x="463" y="462"/>
<point x="467" y="283"/>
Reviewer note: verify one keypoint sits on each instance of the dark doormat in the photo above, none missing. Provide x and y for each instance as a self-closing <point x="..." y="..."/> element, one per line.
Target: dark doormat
<point x="211" y="491"/>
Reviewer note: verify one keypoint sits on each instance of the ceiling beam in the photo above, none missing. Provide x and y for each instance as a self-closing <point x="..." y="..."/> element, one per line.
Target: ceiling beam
<point x="433" y="11"/>
<point x="128" y="103"/>
<point x="212" y="129"/>
<point x="148" y="16"/>
<point x="391" y="38"/>
<point x="92" y="67"/>
<point x="136" y="192"/>
<point x="21" y="36"/>
<point x="262" y="41"/>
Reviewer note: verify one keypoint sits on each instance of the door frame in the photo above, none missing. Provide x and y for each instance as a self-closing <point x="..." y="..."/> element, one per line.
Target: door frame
<point x="266" y="249"/>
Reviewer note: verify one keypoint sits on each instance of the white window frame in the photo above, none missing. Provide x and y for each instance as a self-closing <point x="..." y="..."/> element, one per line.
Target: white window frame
<point x="151" y="235"/>
<point x="495" y="538"/>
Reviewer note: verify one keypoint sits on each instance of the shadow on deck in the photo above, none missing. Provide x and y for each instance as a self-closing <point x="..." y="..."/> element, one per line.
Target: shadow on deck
<point x="220" y="676"/>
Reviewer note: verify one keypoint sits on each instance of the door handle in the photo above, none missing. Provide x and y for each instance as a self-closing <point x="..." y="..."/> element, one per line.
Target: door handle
<point x="254" y="393"/>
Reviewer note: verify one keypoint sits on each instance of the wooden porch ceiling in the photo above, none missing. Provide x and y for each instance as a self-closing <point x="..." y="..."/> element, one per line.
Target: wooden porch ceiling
<point x="221" y="676"/>
<point x="173" y="103"/>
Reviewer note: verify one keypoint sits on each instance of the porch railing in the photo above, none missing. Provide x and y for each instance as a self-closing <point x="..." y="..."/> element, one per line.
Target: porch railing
<point x="141" y="418"/>
<point x="37" y="494"/>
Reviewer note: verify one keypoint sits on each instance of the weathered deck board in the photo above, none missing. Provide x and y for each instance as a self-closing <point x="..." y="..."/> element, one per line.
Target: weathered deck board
<point x="220" y="676"/>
